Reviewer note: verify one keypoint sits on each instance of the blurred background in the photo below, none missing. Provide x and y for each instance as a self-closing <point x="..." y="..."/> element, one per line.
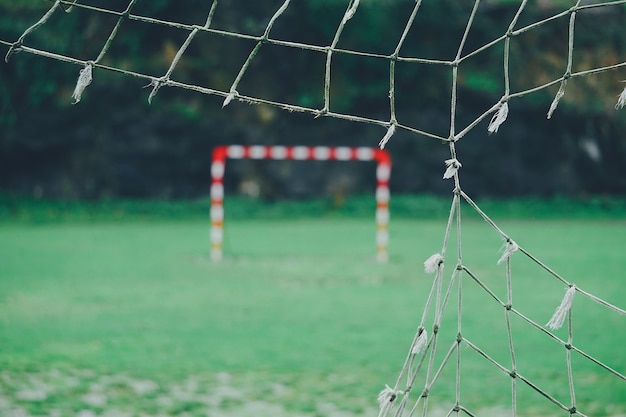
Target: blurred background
<point x="110" y="305"/>
<point x="114" y="145"/>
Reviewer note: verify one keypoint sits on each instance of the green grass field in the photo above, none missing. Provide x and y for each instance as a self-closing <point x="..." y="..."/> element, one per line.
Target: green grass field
<point x="130" y="317"/>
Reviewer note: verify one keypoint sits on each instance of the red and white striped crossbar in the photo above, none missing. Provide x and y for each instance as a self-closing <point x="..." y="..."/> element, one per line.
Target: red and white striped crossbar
<point x="304" y="153"/>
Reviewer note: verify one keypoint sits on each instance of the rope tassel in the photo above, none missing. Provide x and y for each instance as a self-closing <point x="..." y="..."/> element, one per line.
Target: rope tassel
<point x="621" y="101"/>
<point x="453" y="166"/>
<point x="351" y="11"/>
<point x="432" y="264"/>
<point x="84" y="79"/>
<point x="559" y="315"/>
<point x="229" y="98"/>
<point x="388" y="135"/>
<point x="557" y="98"/>
<point x="386" y="398"/>
<point x="420" y="343"/>
<point x="511" y="247"/>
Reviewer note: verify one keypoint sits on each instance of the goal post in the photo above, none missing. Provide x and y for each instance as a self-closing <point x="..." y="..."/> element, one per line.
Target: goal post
<point x="303" y="153"/>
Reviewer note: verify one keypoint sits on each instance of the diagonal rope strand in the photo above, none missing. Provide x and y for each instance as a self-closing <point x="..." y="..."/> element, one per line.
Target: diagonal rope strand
<point x="157" y="84"/>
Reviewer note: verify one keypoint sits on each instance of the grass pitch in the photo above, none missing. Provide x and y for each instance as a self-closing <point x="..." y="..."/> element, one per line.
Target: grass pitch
<point x="132" y="317"/>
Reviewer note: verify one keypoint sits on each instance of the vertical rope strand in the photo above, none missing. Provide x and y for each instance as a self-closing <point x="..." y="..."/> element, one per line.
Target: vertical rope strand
<point x="460" y="292"/>
<point x="85" y="76"/>
<point x="570" y="54"/>
<point x="455" y="70"/>
<point x="570" y="371"/>
<point x="392" y="75"/>
<point x="503" y="108"/>
<point x="509" y="331"/>
<point x="115" y="30"/>
<point x="158" y="83"/>
<point x="329" y="53"/>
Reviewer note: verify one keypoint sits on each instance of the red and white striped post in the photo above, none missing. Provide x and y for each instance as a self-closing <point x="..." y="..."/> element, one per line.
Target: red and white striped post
<point x="383" y="173"/>
<point x="218" y="166"/>
<point x="319" y="153"/>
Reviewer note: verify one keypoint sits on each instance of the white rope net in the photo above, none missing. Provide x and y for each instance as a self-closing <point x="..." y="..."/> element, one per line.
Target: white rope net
<point x="433" y="351"/>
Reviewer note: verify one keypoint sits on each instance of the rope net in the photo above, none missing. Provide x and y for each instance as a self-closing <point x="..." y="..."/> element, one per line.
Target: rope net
<point x="434" y="354"/>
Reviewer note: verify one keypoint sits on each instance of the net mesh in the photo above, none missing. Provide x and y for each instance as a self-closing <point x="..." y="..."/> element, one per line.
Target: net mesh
<point x="432" y="354"/>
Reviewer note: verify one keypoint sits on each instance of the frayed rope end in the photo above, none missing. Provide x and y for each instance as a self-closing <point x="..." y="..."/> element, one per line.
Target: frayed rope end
<point x="557" y="319"/>
<point x="511" y="247"/>
<point x="420" y="343"/>
<point x="498" y="118"/>
<point x="229" y="98"/>
<point x="351" y="11"/>
<point x="386" y="398"/>
<point x="388" y="135"/>
<point x="432" y="264"/>
<point x="621" y="101"/>
<point x="453" y="166"/>
<point x="557" y="98"/>
<point x="84" y="79"/>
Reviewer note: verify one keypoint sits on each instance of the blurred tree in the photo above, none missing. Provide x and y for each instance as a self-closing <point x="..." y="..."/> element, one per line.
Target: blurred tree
<point x="113" y="144"/>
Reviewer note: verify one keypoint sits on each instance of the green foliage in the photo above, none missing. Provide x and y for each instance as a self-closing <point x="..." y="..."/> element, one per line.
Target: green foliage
<point x="99" y="148"/>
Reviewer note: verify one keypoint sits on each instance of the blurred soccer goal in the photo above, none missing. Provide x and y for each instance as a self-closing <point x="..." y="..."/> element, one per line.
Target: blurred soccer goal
<point x="302" y="153"/>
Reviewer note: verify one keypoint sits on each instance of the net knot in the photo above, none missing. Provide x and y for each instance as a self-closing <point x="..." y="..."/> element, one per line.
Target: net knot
<point x="557" y="319"/>
<point x="453" y="166"/>
<point x="321" y="112"/>
<point x="68" y="8"/>
<point x="432" y="264"/>
<point x="15" y="47"/>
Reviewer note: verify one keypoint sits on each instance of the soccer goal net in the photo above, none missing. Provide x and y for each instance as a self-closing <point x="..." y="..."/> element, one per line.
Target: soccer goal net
<point x="436" y="355"/>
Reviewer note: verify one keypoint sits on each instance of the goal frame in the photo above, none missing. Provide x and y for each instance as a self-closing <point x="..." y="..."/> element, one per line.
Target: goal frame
<point x="302" y="153"/>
